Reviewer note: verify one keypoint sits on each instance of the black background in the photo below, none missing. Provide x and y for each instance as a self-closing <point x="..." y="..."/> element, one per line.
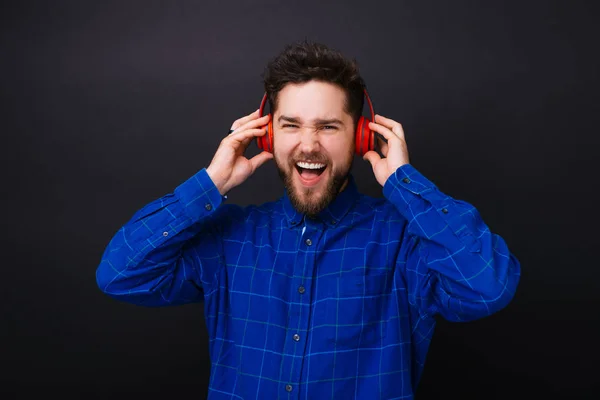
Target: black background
<point x="109" y="105"/>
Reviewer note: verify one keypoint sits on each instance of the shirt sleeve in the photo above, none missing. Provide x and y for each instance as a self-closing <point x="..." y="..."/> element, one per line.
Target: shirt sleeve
<point x="452" y="263"/>
<point x="168" y="253"/>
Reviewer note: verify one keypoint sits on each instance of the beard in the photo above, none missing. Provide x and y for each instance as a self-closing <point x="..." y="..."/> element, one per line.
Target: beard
<point x="311" y="201"/>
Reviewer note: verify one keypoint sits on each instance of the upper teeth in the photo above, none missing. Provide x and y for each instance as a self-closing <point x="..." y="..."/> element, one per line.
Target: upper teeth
<point x="310" y="165"/>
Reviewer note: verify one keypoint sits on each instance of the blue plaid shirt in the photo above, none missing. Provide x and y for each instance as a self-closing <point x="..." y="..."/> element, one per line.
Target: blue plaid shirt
<point x="337" y="307"/>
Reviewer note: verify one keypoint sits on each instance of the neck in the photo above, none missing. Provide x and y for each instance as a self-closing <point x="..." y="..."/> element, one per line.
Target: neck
<point x="343" y="186"/>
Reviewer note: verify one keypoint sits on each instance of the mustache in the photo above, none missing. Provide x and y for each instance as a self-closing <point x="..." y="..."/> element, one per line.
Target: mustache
<point x="314" y="157"/>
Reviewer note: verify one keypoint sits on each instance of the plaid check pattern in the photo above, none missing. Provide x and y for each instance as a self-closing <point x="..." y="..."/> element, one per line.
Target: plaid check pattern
<point x="341" y="306"/>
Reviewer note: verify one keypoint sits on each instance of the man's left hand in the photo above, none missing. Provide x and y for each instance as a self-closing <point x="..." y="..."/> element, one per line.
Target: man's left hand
<point x="395" y="151"/>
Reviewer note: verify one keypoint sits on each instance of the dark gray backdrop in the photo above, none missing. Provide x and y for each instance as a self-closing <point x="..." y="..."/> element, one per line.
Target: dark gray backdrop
<point x="109" y="105"/>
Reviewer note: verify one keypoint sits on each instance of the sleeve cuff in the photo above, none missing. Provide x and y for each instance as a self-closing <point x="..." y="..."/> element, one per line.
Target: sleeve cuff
<point x="199" y="196"/>
<point x="407" y="184"/>
<point x="417" y="198"/>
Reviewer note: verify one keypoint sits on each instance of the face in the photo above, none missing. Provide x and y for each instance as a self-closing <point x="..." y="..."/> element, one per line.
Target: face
<point x="313" y="143"/>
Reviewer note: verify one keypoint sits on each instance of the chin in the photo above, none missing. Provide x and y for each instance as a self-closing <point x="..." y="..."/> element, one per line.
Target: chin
<point x="312" y="194"/>
<point x="311" y="198"/>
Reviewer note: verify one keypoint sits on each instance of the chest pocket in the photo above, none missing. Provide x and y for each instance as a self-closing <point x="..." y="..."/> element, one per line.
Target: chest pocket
<point x="357" y="310"/>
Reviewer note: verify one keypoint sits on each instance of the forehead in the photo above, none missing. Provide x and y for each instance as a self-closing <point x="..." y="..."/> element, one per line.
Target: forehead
<point x="312" y="100"/>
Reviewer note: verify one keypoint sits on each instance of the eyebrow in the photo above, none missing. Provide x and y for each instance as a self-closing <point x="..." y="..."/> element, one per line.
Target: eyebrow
<point x="317" y="121"/>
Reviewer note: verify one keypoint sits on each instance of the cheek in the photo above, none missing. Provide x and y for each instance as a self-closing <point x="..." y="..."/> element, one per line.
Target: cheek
<point x="282" y="154"/>
<point x="340" y="148"/>
<point x="282" y="145"/>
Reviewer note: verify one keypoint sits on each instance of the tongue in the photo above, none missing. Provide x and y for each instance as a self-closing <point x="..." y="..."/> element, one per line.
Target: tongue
<point x="309" y="174"/>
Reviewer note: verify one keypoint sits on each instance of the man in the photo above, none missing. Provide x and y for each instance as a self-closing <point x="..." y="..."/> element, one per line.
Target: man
<point x="324" y="293"/>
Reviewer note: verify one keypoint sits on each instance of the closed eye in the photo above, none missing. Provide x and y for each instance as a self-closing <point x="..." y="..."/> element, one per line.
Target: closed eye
<point x="326" y="127"/>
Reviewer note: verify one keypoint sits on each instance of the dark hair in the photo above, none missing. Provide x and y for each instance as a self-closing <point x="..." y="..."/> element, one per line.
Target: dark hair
<point x="305" y="61"/>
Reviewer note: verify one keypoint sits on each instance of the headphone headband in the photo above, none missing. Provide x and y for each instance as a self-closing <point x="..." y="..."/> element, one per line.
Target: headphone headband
<point x="262" y="105"/>
<point x="370" y="105"/>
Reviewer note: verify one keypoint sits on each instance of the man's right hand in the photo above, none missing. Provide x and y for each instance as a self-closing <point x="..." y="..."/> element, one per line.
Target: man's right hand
<point x="229" y="167"/>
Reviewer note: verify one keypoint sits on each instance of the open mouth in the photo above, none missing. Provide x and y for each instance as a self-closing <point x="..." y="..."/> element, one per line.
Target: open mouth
<point x="310" y="173"/>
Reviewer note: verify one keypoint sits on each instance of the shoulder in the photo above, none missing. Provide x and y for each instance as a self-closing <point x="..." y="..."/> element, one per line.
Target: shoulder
<point x="379" y="206"/>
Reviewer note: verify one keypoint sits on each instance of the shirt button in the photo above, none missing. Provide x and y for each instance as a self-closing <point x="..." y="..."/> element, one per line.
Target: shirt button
<point x="445" y="211"/>
<point x="165" y="233"/>
<point x="308" y="242"/>
<point x="208" y="206"/>
<point x="301" y="290"/>
<point x="296" y="337"/>
<point x="288" y="388"/>
<point x="406" y="180"/>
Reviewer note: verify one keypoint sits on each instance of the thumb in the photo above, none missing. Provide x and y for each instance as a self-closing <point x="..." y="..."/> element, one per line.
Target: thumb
<point x="372" y="157"/>
<point x="260" y="159"/>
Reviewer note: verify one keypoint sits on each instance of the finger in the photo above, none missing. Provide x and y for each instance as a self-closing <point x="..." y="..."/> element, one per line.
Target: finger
<point x="247" y="141"/>
<point x="392" y="125"/>
<point x="385" y="132"/>
<point x="383" y="146"/>
<point x="241" y="121"/>
<point x="243" y="138"/>
<point x="260" y="159"/>
<point x="372" y="157"/>
<point x="242" y="135"/>
<point x="255" y="123"/>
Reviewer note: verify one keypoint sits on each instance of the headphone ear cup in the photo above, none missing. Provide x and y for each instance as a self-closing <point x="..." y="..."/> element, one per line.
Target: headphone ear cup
<point x="269" y="136"/>
<point x="265" y="142"/>
<point x="371" y="136"/>
<point x="364" y="137"/>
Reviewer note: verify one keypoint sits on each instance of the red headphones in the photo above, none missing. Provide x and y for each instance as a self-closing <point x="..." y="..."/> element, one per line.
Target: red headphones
<point x="365" y="137"/>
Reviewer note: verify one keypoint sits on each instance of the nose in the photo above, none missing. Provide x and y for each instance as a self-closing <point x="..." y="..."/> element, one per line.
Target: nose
<point x="309" y="141"/>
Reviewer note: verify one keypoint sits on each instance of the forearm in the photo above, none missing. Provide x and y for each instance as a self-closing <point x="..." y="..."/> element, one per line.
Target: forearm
<point x="147" y="261"/>
<point x="456" y="266"/>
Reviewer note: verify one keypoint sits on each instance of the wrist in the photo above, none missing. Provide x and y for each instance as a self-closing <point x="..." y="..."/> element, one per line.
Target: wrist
<point x="217" y="181"/>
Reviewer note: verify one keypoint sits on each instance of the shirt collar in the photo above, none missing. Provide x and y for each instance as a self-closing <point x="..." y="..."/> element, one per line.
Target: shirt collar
<point x="333" y="213"/>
